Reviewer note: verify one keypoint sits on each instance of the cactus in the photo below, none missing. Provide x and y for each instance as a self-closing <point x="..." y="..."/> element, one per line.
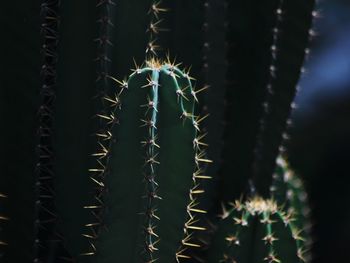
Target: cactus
<point x="267" y="44"/>
<point x="271" y="230"/>
<point x="119" y="174"/>
<point x="155" y="141"/>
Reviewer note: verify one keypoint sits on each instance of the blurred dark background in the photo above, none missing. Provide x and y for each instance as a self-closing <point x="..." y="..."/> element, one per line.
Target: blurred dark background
<point x="320" y="139"/>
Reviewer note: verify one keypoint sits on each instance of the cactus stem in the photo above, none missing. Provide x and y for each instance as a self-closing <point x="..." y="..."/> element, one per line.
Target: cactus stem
<point x="154" y="28"/>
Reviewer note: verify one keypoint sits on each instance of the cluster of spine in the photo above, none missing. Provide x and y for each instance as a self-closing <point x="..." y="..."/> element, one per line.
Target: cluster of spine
<point x="45" y="216"/>
<point x="106" y="120"/>
<point x="3" y="219"/>
<point x="278" y="103"/>
<point x="154" y="28"/>
<point x="267" y="214"/>
<point x="288" y="190"/>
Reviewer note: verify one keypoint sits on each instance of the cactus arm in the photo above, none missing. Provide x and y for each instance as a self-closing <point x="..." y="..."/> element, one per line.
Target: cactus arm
<point x="73" y="126"/>
<point x="248" y="49"/>
<point x="291" y="37"/>
<point x="20" y="82"/>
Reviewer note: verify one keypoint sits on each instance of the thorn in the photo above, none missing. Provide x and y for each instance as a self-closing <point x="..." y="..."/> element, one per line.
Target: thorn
<point x="197" y="141"/>
<point x="155" y="9"/>
<point x="154" y="27"/>
<point x="180" y="92"/>
<point x="151" y="142"/>
<point x="137" y="69"/>
<point x="198" y="120"/>
<point x="180" y="255"/>
<point x="97" y="182"/>
<point x="187" y="74"/>
<point x="269" y="239"/>
<point x="105" y="136"/>
<point x="149" y="123"/>
<point x="194" y="93"/>
<point x="103" y="153"/>
<point x="151" y="83"/>
<point x="271" y="258"/>
<point x="199" y="158"/>
<point x="225" y="212"/>
<point x="189" y="225"/>
<point x="191" y="208"/>
<point x="232" y="240"/>
<point x="150" y="230"/>
<point x="185" y="115"/>
<point x="123" y="84"/>
<point x="198" y="174"/>
<point x="240" y="221"/>
<point x="114" y="102"/>
<point x="296" y="234"/>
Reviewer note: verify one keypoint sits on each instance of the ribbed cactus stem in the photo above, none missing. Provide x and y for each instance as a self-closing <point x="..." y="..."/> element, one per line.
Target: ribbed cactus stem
<point x="159" y="178"/>
<point x="104" y="43"/>
<point x="45" y="216"/>
<point x="260" y="183"/>
<point x="105" y="122"/>
<point x="151" y="164"/>
<point x="154" y="28"/>
<point x="100" y="171"/>
<point x="290" y="41"/>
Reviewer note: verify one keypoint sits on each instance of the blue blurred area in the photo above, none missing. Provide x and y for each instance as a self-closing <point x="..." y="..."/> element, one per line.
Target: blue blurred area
<point x="320" y="138"/>
<point x="328" y="69"/>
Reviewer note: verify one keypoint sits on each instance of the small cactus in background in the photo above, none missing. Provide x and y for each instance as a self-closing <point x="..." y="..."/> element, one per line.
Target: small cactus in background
<point x="265" y="230"/>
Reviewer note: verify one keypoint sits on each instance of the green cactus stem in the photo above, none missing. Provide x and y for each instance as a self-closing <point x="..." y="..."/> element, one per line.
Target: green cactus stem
<point x="288" y="190"/>
<point x="149" y="198"/>
<point x="258" y="230"/>
<point x="266" y="230"/>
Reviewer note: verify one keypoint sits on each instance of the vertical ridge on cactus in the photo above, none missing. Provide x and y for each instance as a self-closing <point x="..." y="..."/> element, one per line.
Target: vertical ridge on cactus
<point x="105" y="121"/>
<point x="154" y="28"/>
<point x="291" y="36"/>
<point x="45" y="218"/>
